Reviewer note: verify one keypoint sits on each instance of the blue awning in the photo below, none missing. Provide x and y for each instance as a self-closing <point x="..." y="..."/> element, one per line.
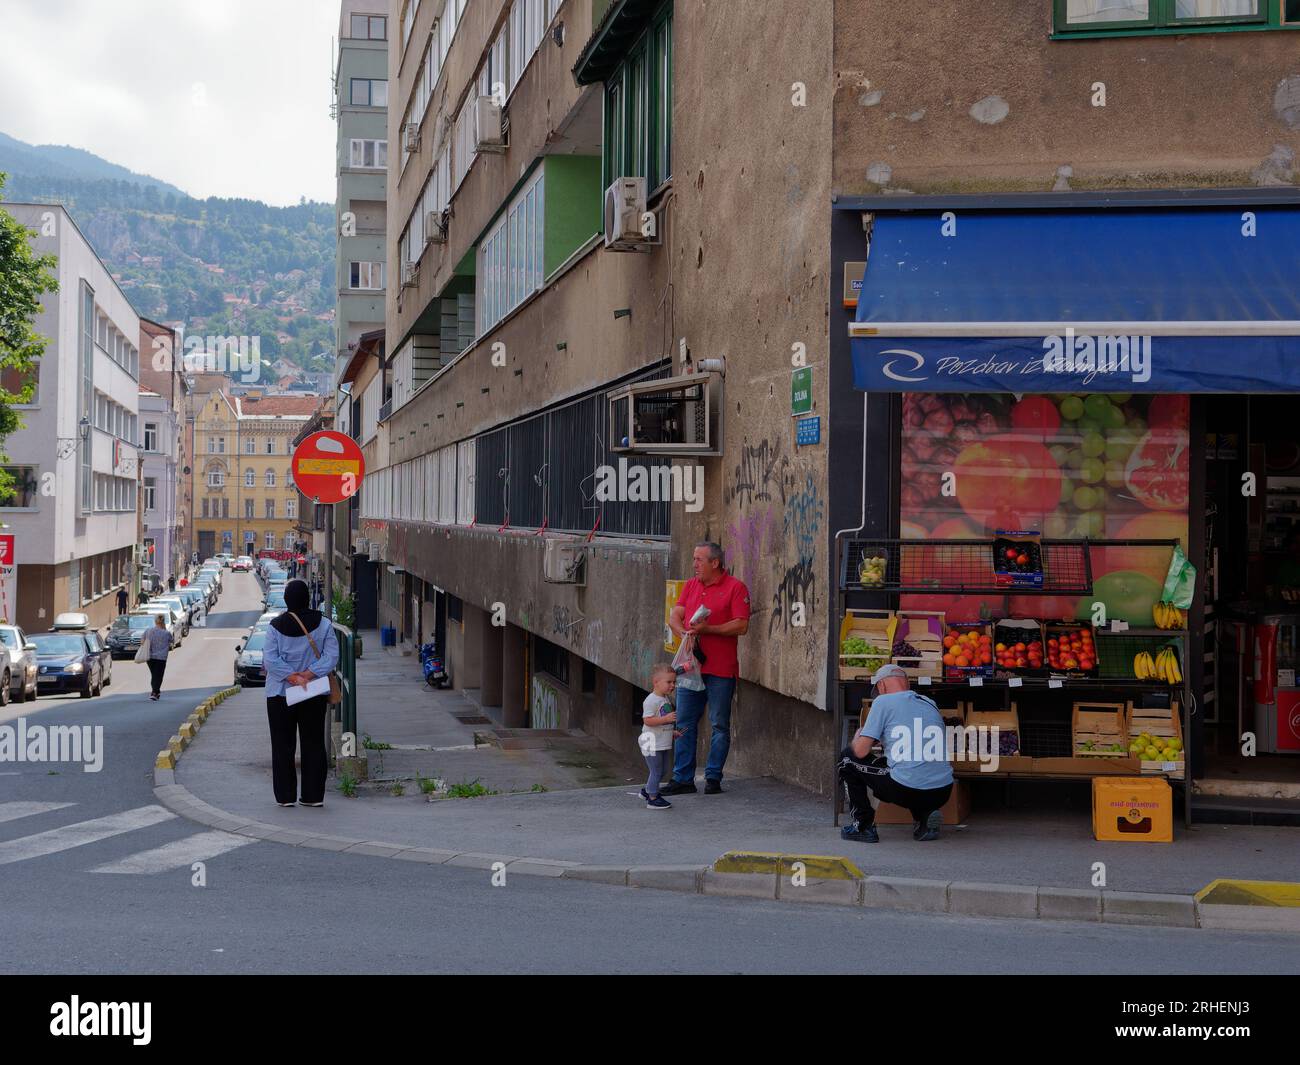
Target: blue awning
<point x="1112" y="300"/>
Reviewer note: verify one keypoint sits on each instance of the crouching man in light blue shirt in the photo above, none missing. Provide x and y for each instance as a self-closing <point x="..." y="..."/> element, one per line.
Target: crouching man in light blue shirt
<point x="914" y="773"/>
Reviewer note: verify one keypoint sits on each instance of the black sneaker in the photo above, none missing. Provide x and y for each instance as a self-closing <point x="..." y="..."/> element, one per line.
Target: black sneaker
<point x="713" y="787"/>
<point x="931" y="831"/>
<point x="680" y="787"/>
<point x="658" y="803"/>
<point x="863" y="835"/>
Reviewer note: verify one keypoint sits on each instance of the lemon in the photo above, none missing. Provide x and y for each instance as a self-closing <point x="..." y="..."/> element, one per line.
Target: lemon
<point x="1151" y="754"/>
<point x="1175" y="744"/>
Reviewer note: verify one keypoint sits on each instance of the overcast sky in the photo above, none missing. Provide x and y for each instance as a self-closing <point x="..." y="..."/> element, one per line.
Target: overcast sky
<point x="217" y="97"/>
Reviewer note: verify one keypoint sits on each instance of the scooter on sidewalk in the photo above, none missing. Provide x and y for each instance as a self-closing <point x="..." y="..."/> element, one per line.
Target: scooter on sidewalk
<point x="431" y="663"/>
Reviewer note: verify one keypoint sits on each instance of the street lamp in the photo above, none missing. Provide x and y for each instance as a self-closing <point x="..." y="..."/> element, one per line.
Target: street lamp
<point x="83" y="427"/>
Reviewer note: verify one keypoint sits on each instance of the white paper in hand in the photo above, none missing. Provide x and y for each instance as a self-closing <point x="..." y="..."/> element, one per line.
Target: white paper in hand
<point x="296" y="693"/>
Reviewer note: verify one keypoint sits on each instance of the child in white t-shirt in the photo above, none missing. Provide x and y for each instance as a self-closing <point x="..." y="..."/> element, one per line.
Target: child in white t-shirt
<point x="656" y="739"/>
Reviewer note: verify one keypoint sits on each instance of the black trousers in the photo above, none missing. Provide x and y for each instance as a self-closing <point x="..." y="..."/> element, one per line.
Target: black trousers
<point x="861" y="780"/>
<point x="305" y="723"/>
<point x="157" y="667"/>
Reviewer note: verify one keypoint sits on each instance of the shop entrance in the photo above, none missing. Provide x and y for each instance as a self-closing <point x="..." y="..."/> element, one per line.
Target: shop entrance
<point x="1251" y="595"/>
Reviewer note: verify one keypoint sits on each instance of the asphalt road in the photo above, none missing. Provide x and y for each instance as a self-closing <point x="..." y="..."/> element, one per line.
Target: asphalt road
<point x="96" y="877"/>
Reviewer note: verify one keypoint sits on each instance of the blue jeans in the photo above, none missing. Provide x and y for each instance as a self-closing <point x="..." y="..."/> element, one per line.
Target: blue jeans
<point x="690" y="708"/>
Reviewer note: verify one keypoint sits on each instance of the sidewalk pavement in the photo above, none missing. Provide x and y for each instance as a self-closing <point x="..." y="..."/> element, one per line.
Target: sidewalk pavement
<point x="589" y="812"/>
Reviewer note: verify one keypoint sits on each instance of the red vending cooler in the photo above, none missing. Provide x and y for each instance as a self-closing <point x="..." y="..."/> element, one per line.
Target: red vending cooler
<point x="1277" y="695"/>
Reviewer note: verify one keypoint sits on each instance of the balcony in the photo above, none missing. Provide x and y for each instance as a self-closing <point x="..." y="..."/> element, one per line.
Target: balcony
<point x="386" y="411"/>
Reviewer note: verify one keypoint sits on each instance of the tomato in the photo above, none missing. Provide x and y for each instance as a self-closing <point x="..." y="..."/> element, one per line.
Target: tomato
<point x="1007" y="478"/>
<point x="1036" y="414"/>
<point x="1157" y="471"/>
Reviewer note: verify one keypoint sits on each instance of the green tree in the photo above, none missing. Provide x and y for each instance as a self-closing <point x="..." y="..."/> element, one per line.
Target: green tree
<point x="24" y="278"/>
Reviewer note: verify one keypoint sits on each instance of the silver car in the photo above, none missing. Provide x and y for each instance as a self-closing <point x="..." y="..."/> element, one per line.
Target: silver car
<point x="20" y="663"/>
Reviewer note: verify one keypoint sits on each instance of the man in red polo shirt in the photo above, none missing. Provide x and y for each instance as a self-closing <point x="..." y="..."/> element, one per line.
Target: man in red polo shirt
<point x="715" y="638"/>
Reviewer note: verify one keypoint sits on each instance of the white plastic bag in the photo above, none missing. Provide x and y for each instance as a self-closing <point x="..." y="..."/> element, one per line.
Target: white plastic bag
<point x="685" y="660"/>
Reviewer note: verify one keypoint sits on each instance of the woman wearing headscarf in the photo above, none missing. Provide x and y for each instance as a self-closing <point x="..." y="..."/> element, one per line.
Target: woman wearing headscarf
<point x="300" y="646"/>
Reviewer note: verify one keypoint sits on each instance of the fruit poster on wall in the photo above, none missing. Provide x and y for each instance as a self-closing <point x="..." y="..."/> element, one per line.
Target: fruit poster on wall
<point x="1102" y="466"/>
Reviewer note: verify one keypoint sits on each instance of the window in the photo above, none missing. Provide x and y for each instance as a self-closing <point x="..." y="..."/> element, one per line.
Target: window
<point x="270" y="510"/>
<point x="151" y="436"/>
<point x="270" y="478"/>
<point x="548" y="658"/>
<point x="510" y="257"/>
<point x="409" y="10"/>
<point x="248" y="510"/>
<point x="216" y="445"/>
<point x="369" y="155"/>
<point x="270" y="541"/>
<point x="369" y="28"/>
<point x="1163" y="16"/>
<point x="216" y="478"/>
<point x="270" y="445"/>
<point x="150" y="492"/>
<point x="290" y="508"/>
<point x="462" y="154"/>
<point x="16" y="382"/>
<point x="250" y="479"/>
<point x="366" y="275"/>
<point x="86" y="354"/>
<point x="250" y="446"/>
<point x="638" y="108"/>
<point x="23" y="485"/>
<point x="205" y="506"/>
<point x="225" y="508"/>
<point x="369" y="92"/>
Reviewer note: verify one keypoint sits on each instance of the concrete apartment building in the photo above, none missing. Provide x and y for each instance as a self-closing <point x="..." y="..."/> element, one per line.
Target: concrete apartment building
<point x="760" y="185"/>
<point x="166" y="487"/>
<point x="247" y="501"/>
<point x="76" y="461"/>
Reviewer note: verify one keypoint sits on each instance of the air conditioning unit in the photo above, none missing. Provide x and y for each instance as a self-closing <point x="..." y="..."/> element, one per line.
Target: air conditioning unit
<point x="410" y="275"/>
<point x="488" y="134"/>
<point x="376" y="551"/>
<point x="361" y="547"/>
<point x="624" y="208"/>
<point x="435" y="231"/>
<point x="669" y="416"/>
<point x="564" y="562"/>
<point x="411" y="136"/>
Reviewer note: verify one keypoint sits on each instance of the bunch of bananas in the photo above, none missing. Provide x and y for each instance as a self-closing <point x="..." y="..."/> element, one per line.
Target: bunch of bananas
<point x="1169" y="616"/>
<point x="1164" y="666"/>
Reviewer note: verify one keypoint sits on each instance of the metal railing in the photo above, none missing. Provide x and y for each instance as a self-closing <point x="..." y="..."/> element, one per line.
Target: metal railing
<point x="346" y="711"/>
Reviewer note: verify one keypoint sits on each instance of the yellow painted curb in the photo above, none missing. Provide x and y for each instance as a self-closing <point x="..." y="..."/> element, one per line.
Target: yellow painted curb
<point x="1250" y="893"/>
<point x="186" y="732"/>
<point x="816" y="866"/>
<point x="176" y="744"/>
<point x="165" y="760"/>
<point x="201" y="712"/>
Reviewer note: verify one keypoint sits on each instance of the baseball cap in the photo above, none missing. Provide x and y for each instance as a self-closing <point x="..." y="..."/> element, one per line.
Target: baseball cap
<point x="885" y="671"/>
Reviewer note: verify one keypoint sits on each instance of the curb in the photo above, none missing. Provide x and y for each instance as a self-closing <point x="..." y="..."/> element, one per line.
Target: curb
<point x="826" y="880"/>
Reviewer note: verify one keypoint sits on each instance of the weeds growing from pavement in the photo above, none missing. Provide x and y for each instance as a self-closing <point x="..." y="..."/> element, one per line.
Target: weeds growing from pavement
<point x="428" y="785"/>
<point x="348" y="785"/>
<point x="398" y="790"/>
<point x="469" y="789"/>
<point x="374" y="745"/>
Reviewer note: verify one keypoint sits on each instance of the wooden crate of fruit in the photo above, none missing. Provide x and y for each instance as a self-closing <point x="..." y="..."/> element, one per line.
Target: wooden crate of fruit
<point x="866" y="642"/>
<point x="1071" y="649"/>
<point x="918" y="642"/>
<point x="1097" y="731"/>
<point x="1159" y="730"/>
<point x="968" y="651"/>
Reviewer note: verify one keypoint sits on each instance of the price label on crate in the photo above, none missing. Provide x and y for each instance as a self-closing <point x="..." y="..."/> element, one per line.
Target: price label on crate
<point x="1053" y="683"/>
<point x="923" y="680"/>
<point x="1015" y="682"/>
<point x="977" y="682"/>
<point x="1118" y="626"/>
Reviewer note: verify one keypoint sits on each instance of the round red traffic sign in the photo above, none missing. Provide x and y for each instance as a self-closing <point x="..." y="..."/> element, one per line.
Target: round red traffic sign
<point x="328" y="467"/>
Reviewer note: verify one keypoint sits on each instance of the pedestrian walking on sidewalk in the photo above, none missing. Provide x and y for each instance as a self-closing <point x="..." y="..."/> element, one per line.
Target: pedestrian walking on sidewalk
<point x="122" y="599"/>
<point x="300" y="646"/>
<point x="159" y="640"/>
<point x="726" y="600"/>
<point x="901" y="720"/>
<point x="656" y="740"/>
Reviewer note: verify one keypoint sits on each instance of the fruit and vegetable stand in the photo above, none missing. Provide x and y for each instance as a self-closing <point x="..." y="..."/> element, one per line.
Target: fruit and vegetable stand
<point x="1111" y="673"/>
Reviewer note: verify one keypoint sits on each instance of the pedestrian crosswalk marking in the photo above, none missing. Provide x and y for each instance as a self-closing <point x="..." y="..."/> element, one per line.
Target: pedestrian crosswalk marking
<point x="196" y="848"/>
<point x="81" y="833"/>
<point x="12" y="811"/>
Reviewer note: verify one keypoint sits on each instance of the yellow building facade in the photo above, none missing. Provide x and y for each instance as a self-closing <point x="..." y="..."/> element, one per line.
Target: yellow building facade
<point x="244" y="497"/>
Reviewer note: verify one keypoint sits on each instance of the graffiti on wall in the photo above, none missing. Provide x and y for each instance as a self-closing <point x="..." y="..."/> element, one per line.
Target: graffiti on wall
<point x="750" y="539"/>
<point x="760" y="475"/>
<point x="544" y="705"/>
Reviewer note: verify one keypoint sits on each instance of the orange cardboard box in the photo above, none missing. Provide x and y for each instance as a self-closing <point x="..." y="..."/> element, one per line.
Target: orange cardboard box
<point x="954" y="811"/>
<point x="1132" y="809"/>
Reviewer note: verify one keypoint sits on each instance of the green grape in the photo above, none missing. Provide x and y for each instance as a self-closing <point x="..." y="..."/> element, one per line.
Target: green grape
<point x="1094" y="444"/>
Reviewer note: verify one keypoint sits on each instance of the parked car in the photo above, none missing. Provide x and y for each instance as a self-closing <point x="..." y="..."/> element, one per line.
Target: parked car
<point x="243" y="563"/>
<point x="125" y="633"/>
<point x="214" y="572"/>
<point x="171" y="619"/>
<point x="66" y="661"/>
<point x="209" y="589"/>
<point x="196" y="600"/>
<point x="226" y="559"/>
<point x="21" y="665"/>
<point x="275" y="601"/>
<point x="248" y="660"/>
<point x="75" y="621"/>
<point x="179" y="605"/>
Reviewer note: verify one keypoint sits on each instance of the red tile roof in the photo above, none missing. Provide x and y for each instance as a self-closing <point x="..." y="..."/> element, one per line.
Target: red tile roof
<point x="271" y="406"/>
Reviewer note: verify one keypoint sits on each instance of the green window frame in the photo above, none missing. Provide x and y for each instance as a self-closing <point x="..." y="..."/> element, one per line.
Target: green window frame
<point x="1163" y="19"/>
<point x="638" y="108"/>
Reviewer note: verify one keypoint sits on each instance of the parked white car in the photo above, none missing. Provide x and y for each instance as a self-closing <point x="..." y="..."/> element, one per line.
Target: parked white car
<point x="22" y="668"/>
<point x="174" y="622"/>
